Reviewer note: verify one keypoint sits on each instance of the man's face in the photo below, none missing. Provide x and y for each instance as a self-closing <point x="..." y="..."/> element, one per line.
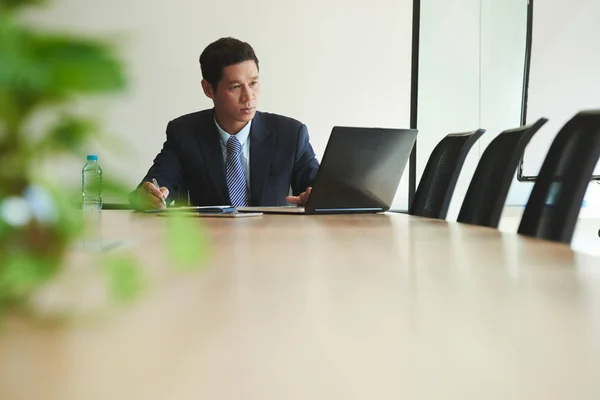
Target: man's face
<point x="236" y="97"/>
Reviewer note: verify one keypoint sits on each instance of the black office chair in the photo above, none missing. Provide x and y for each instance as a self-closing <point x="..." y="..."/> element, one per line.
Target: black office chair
<point x="489" y="186"/>
<point x="553" y="206"/>
<point x="437" y="184"/>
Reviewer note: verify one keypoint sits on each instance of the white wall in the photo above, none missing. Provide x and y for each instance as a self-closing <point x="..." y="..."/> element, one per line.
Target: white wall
<point x="503" y="37"/>
<point x="559" y="85"/>
<point x="564" y="77"/>
<point x="565" y="65"/>
<point x="471" y="75"/>
<point x="326" y="63"/>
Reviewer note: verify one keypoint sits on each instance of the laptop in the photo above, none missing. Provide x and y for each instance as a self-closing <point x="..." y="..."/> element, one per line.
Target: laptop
<point x="359" y="173"/>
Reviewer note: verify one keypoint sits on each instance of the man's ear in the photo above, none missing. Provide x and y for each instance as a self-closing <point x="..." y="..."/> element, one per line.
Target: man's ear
<point x="208" y="89"/>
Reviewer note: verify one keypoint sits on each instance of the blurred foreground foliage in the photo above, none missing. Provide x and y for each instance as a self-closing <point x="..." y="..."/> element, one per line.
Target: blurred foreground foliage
<point x="50" y="72"/>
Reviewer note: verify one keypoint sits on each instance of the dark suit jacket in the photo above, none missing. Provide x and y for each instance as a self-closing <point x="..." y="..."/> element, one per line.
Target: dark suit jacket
<point x="280" y="156"/>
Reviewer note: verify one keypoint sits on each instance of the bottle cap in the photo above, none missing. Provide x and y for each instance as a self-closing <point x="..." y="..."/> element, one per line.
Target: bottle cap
<point x="92" y="157"/>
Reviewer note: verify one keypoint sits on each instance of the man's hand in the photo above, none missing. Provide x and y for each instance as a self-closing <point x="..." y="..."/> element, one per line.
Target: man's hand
<point x="150" y="198"/>
<point x="301" y="199"/>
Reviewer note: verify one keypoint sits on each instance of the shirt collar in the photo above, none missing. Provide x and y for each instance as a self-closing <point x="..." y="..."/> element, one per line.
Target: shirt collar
<point x="242" y="135"/>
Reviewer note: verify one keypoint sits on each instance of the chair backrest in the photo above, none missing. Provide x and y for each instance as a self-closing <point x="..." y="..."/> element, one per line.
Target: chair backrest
<point x="484" y="201"/>
<point x="437" y="184"/>
<point x="553" y="206"/>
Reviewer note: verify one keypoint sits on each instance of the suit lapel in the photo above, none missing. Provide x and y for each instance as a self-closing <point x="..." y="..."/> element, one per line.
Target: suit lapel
<point x="262" y="143"/>
<point x="210" y="146"/>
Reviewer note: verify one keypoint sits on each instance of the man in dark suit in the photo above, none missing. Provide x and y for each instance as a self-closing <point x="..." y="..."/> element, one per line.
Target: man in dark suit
<point x="231" y="154"/>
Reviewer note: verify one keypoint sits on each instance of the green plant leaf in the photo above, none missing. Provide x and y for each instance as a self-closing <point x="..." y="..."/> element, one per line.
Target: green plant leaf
<point x="124" y="277"/>
<point x="13" y="4"/>
<point x="77" y="65"/>
<point x="39" y="68"/>
<point x="68" y="134"/>
<point x="114" y="188"/>
<point x="22" y="273"/>
<point x="186" y="242"/>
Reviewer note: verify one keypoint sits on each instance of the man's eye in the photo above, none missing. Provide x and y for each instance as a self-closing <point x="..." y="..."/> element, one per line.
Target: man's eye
<point x="254" y="83"/>
<point x="235" y="87"/>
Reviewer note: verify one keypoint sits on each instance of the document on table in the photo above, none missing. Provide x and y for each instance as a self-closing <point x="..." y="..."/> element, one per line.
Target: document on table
<point x="204" y="211"/>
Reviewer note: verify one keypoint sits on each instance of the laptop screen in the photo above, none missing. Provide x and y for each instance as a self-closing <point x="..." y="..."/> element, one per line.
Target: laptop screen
<point x="361" y="168"/>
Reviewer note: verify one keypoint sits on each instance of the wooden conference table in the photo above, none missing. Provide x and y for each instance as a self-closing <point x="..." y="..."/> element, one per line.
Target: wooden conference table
<point x="328" y="307"/>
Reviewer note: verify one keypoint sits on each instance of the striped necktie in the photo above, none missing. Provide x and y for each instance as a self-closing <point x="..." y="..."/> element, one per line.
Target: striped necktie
<point x="234" y="172"/>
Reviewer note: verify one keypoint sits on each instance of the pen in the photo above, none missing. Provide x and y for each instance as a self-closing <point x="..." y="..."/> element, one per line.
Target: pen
<point x="158" y="187"/>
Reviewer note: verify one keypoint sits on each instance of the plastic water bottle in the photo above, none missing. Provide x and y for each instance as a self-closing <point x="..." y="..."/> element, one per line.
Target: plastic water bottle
<point x="91" y="184"/>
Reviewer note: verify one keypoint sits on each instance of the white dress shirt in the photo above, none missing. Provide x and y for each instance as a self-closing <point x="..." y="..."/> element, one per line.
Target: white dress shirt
<point x="243" y="137"/>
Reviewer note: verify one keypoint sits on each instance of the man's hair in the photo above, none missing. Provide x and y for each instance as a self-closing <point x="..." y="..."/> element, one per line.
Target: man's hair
<point x="222" y="53"/>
